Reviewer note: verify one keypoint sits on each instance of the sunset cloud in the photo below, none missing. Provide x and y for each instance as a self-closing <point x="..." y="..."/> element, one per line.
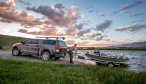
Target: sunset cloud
<point x="93" y="35"/>
<point x="132" y="28"/>
<point x="57" y="14"/>
<point x="46" y="31"/>
<point x="70" y="42"/>
<point x="22" y="30"/>
<point x="71" y="32"/>
<point x="82" y="32"/>
<point x="80" y="26"/>
<point x="98" y="38"/>
<point x="10" y="4"/>
<point x="20" y="17"/>
<point x="103" y="43"/>
<point x="14" y="16"/>
<point x="5" y="20"/>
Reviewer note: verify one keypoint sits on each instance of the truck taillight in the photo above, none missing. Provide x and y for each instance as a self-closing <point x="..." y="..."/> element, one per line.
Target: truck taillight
<point x="57" y="48"/>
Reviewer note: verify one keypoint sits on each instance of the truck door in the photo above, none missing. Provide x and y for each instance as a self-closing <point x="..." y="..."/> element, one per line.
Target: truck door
<point x="33" y="47"/>
<point x="24" y="46"/>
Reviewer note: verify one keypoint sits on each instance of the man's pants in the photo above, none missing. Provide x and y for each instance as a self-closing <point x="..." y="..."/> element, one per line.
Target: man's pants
<point x="71" y="56"/>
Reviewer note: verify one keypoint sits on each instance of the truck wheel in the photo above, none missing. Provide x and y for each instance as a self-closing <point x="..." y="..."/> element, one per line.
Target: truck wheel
<point x="45" y="55"/>
<point x="15" y="52"/>
<point x="110" y="65"/>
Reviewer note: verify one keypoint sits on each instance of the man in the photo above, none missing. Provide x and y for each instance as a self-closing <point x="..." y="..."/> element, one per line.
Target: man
<point x="71" y="49"/>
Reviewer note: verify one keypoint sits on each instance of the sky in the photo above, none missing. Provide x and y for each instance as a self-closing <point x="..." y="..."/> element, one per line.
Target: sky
<point x="88" y="23"/>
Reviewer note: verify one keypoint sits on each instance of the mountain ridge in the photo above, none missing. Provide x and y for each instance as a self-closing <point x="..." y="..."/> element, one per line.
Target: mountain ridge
<point x="134" y="44"/>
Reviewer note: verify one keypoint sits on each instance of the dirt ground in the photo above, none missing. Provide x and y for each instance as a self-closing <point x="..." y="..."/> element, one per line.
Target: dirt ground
<point x="8" y="55"/>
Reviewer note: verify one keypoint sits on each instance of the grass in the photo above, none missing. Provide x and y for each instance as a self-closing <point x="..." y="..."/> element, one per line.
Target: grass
<point x="18" y="72"/>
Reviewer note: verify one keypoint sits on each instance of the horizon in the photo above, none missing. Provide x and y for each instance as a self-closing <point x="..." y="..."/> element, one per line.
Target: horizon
<point x="123" y="22"/>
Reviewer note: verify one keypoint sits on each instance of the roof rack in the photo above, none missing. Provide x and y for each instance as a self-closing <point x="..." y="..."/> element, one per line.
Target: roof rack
<point x="51" y="37"/>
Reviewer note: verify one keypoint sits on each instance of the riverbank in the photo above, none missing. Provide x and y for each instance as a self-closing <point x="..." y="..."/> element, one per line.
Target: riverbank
<point x="48" y="73"/>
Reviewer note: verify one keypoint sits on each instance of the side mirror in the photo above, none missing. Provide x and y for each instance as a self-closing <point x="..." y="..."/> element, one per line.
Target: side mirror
<point x="22" y="42"/>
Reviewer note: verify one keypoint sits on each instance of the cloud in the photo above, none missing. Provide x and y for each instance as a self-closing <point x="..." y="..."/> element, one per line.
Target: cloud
<point x="22" y="30"/>
<point x="10" y="16"/>
<point x="137" y="14"/>
<point x="99" y="14"/>
<point x="59" y="6"/>
<point x="103" y="26"/>
<point x="10" y="4"/>
<point x="24" y="3"/>
<point x="71" y="31"/>
<point x="5" y="20"/>
<point x="93" y="35"/>
<point x="128" y="6"/>
<point x="70" y="42"/>
<point x="103" y="43"/>
<point x="83" y="43"/>
<point x="98" y="38"/>
<point x="82" y="32"/>
<point x="47" y="31"/>
<point x="57" y="14"/>
<point x="20" y="17"/>
<point x="132" y="28"/>
<point x="79" y="26"/>
<point x="94" y="43"/>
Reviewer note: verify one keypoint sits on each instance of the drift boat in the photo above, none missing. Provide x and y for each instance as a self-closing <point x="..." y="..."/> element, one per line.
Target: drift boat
<point x="108" y="60"/>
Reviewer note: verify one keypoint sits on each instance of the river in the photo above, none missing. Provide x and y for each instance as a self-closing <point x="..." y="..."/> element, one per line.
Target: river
<point x="137" y="60"/>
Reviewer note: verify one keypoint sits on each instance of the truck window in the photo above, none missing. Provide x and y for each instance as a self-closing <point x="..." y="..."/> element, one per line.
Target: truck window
<point x="51" y="42"/>
<point x="62" y="44"/>
<point x="35" y="41"/>
<point x="32" y="41"/>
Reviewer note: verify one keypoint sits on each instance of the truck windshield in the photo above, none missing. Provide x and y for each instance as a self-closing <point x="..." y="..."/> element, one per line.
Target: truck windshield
<point x="62" y="44"/>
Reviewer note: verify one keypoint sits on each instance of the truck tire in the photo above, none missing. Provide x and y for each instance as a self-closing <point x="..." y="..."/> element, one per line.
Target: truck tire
<point x="110" y="65"/>
<point x="15" y="51"/>
<point x="45" y="55"/>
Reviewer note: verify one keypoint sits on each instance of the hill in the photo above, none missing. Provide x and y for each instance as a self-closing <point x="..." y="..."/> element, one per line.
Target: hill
<point x="134" y="44"/>
<point x="8" y="41"/>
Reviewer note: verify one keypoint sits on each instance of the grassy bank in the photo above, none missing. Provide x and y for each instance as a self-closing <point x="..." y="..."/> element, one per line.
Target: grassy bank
<point x="16" y="72"/>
